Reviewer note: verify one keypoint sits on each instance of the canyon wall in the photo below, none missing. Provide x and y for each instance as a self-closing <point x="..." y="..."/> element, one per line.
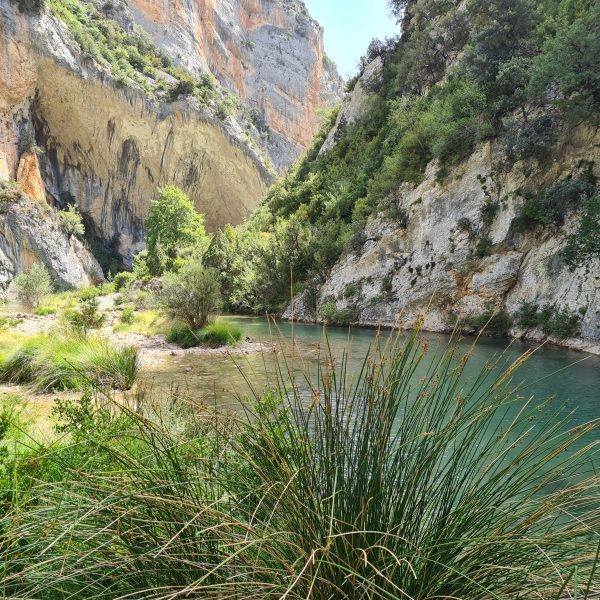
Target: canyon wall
<point x="268" y="52"/>
<point x="70" y="130"/>
<point x="428" y="264"/>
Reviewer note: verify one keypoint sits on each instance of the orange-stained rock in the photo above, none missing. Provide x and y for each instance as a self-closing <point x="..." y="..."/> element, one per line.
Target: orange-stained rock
<point x="29" y="176"/>
<point x="109" y="146"/>
<point x="269" y="52"/>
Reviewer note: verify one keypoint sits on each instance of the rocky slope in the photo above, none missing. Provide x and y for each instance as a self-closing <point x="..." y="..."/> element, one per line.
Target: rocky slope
<point x="456" y="244"/>
<point x="429" y="267"/>
<point x="31" y="232"/>
<point x="107" y="141"/>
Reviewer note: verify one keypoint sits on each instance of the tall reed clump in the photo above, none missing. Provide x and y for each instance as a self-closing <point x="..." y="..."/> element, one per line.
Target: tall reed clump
<point x="52" y="363"/>
<point x="403" y="480"/>
<point x="213" y="335"/>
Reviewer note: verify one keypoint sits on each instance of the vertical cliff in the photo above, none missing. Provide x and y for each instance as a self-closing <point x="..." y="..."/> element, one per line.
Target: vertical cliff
<point x="268" y="52"/>
<point x="93" y="111"/>
<point x="460" y="179"/>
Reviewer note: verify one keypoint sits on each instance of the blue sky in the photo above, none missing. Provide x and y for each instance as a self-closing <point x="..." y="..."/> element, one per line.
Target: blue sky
<point x="349" y="27"/>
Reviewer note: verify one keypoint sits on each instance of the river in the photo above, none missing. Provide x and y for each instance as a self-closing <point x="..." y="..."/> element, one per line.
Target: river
<point x="566" y="375"/>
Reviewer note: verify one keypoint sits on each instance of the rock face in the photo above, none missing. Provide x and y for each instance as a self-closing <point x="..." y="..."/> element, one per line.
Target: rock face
<point x="109" y="146"/>
<point x="31" y="232"/>
<point x="431" y="267"/>
<point x="269" y="52"/>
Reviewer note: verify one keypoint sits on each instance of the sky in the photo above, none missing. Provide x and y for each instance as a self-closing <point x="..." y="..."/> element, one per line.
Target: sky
<point x="349" y="27"/>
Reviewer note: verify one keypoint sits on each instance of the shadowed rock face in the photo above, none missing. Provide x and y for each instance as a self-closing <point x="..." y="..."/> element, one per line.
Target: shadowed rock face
<point x="31" y="232"/>
<point x="108" y="146"/>
<point x="269" y="52"/>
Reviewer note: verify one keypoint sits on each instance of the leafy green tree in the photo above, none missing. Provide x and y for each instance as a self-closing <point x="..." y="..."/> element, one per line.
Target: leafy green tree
<point x="585" y="243"/>
<point x="32" y="284"/>
<point x="511" y="86"/>
<point x="504" y="30"/>
<point x="192" y="295"/>
<point x="71" y="221"/>
<point x="173" y="226"/>
<point x="571" y="61"/>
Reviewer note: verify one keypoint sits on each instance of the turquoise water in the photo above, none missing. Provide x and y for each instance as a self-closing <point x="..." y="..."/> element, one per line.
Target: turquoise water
<point x="567" y="376"/>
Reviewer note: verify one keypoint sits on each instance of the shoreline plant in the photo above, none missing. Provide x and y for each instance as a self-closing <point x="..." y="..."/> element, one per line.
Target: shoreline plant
<point x="404" y="479"/>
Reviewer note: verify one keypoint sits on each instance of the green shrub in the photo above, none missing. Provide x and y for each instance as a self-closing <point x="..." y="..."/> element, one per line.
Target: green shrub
<point x="555" y="322"/>
<point x="484" y="247"/>
<point x="9" y="193"/>
<point x="488" y="212"/>
<point x="9" y="322"/>
<point x="44" y="311"/>
<point x="446" y="484"/>
<point x="72" y="221"/>
<point x="122" y="280"/>
<point x="183" y="87"/>
<point x="535" y="139"/>
<point x="219" y="334"/>
<point x="350" y="291"/>
<point x="585" y="243"/>
<point x="561" y="323"/>
<point x="91" y="292"/>
<point x="192" y="295"/>
<point x="555" y="202"/>
<point x="31" y="285"/>
<point x="86" y="315"/>
<point x="141" y="299"/>
<point x="182" y="335"/>
<point x="213" y="335"/>
<point x="127" y="315"/>
<point x="527" y="315"/>
<point x="330" y="313"/>
<point x="466" y="225"/>
<point x="492" y="322"/>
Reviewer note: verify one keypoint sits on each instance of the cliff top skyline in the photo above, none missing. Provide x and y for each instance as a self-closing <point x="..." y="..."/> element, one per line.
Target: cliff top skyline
<point x="349" y="27"/>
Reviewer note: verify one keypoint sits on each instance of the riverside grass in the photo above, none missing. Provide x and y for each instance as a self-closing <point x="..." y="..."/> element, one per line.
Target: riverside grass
<point x="69" y="362"/>
<point x="404" y="480"/>
<point x="213" y="335"/>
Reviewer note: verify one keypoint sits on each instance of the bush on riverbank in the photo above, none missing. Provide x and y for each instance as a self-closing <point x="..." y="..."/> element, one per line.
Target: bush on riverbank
<point x="31" y="285"/>
<point x="396" y="486"/>
<point x="192" y="295"/>
<point x="53" y="363"/>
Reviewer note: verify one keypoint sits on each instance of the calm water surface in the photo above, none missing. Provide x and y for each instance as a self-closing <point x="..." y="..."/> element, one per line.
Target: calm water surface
<point x="566" y="375"/>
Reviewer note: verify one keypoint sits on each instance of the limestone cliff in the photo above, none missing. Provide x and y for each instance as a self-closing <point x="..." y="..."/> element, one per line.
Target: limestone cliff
<point x="72" y="128"/>
<point x="269" y="52"/>
<point x="32" y="232"/>
<point x="428" y="264"/>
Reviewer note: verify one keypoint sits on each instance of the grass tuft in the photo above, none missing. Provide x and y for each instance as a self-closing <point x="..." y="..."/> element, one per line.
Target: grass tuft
<point x="405" y="479"/>
<point x="51" y="363"/>
<point x="215" y="335"/>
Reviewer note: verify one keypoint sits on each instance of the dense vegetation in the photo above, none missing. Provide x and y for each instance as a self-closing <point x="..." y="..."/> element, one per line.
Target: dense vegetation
<point x="519" y="72"/>
<point x="410" y="487"/>
<point x="132" y="57"/>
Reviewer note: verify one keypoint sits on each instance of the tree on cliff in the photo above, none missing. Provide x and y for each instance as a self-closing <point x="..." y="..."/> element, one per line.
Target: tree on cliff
<point x="397" y="8"/>
<point x="173" y="228"/>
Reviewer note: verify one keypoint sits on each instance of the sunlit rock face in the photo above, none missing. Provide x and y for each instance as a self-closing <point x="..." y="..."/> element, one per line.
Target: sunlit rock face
<point x="30" y="233"/>
<point x="70" y="131"/>
<point x="429" y="267"/>
<point x="268" y="52"/>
